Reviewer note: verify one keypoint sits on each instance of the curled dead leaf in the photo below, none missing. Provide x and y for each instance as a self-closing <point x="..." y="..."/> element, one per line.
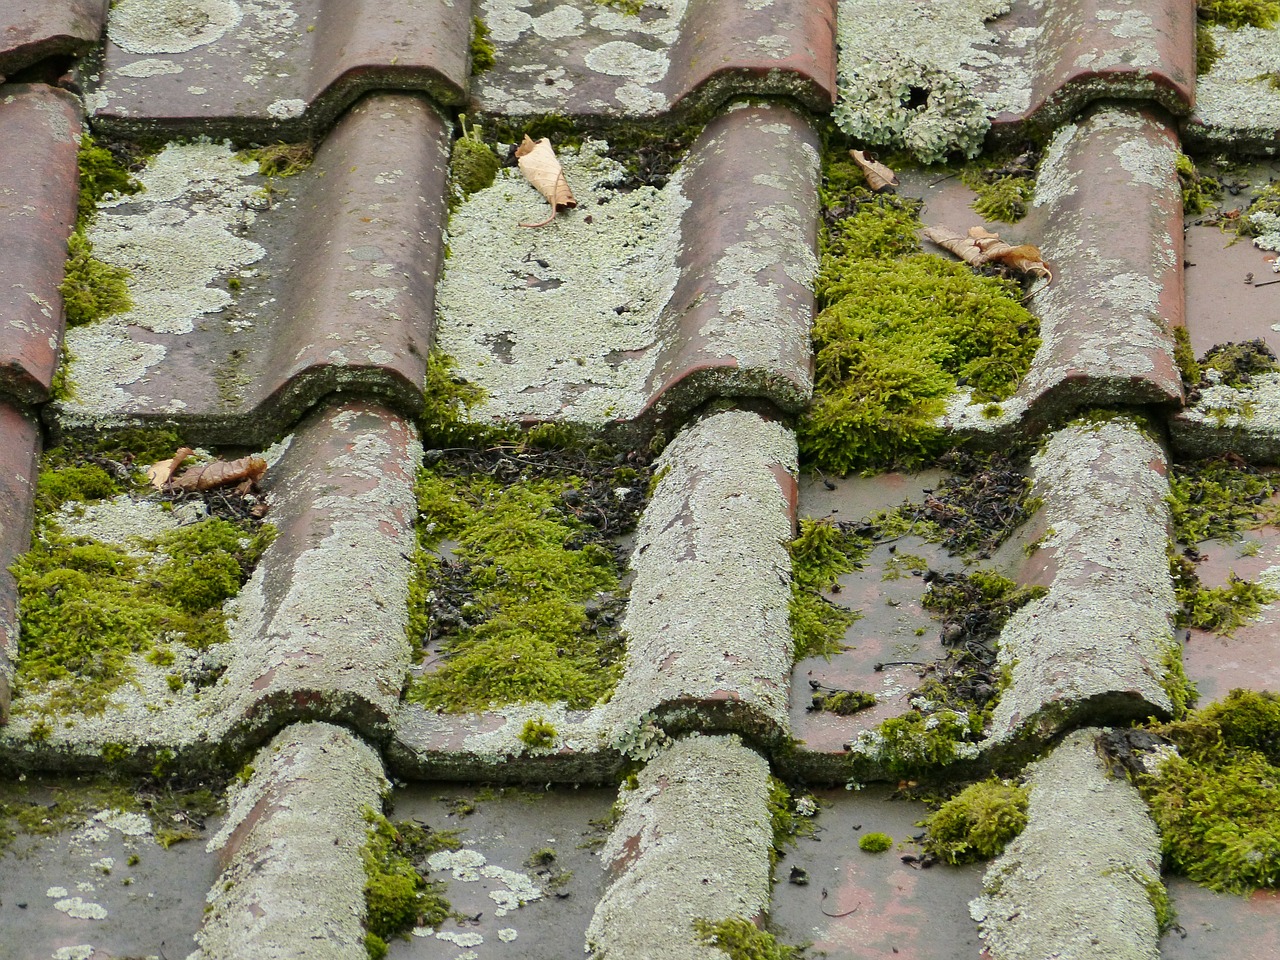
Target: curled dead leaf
<point x="246" y="472"/>
<point x="159" y="473"/>
<point x="538" y="163"/>
<point x="980" y="246"/>
<point x="879" y="177"/>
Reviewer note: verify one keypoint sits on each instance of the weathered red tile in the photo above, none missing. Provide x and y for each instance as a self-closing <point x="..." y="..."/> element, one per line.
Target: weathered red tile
<point x="641" y="304"/>
<point x="1237" y="109"/>
<point x="262" y="304"/>
<point x="1108" y="220"/>
<point x="293" y="880"/>
<point x="38" y="130"/>
<point x="19" y="448"/>
<point x="1075" y="881"/>
<point x="579" y="58"/>
<point x="1216" y="926"/>
<point x="31" y="30"/>
<point x="1106" y="50"/>
<point x="692" y="842"/>
<point x="271" y="71"/>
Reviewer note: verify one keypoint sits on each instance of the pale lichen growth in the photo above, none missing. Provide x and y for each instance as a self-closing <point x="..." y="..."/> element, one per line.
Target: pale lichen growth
<point x="1238" y="98"/>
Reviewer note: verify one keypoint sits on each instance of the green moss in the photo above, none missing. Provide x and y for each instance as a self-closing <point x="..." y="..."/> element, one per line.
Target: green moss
<point x="447" y="399"/>
<point x="1005" y="198"/>
<point x="1236" y="364"/>
<point x="785" y="822"/>
<point x="527" y="635"/>
<point x="82" y="484"/>
<point x="1216" y="499"/>
<point x="977" y="823"/>
<point x="1217" y="801"/>
<point x="741" y="939"/>
<point x="86" y="608"/>
<point x="483" y="53"/>
<point x="91" y="289"/>
<point x="537" y="733"/>
<point x="1220" y="609"/>
<point x="473" y="165"/>
<point x="1239" y="13"/>
<point x="1198" y="192"/>
<point x="1184" y="356"/>
<point x="982" y="600"/>
<point x="100" y="176"/>
<point x="398" y="897"/>
<point x="280" y="159"/>
<point x="875" y="842"/>
<point x="915" y="742"/>
<point x="843" y="702"/>
<point x="631" y="8"/>
<point x="1207" y="51"/>
<point x="819" y="556"/>
<point x="1181" y="690"/>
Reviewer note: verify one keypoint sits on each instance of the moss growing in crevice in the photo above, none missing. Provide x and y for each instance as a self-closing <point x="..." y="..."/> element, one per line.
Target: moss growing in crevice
<point x="787" y="821"/>
<point x="398" y="896"/>
<point x="1215" y="797"/>
<point x="1216" y="499"/>
<point x="1220" y="609"/>
<point x="1238" y="13"/>
<point x="977" y="823"/>
<point x="525" y="607"/>
<point x="1199" y="192"/>
<point x="1005" y="187"/>
<point x="101" y="175"/>
<point x="819" y="556"/>
<point x="740" y="939"/>
<point x="447" y="398"/>
<point x="473" y="164"/>
<point x="483" y="53"/>
<point x="1181" y="690"/>
<point x="898" y="333"/>
<point x="280" y="159"/>
<point x="1185" y="357"/>
<point x="844" y="703"/>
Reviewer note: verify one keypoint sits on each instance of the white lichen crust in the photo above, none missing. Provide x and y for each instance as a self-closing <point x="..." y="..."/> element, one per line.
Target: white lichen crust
<point x="1224" y="419"/>
<point x="1103" y="632"/>
<point x="692" y="842"/>
<point x="909" y="73"/>
<point x="1237" y="100"/>
<point x="293" y="886"/>
<point x="708" y="614"/>
<point x="1075" y="884"/>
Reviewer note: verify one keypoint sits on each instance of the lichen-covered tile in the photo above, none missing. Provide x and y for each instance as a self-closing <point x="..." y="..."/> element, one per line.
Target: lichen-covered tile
<point x="253" y="296"/>
<point x="19" y="448"/>
<point x="278" y="70"/>
<point x="293" y="877"/>
<point x="1098" y="646"/>
<point x="692" y="845"/>
<point x="319" y="630"/>
<point x="1237" y="107"/>
<point x="38" y="130"/>
<point x="1083" y="878"/>
<point x="708" y="636"/>
<point x="582" y="58"/>
<point x="641" y="302"/>
<point x="1108" y="209"/>
<point x="1241" y="420"/>
<point x="32" y="30"/>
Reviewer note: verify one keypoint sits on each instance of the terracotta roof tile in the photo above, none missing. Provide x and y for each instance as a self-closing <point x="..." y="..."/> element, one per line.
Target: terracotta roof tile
<point x="19" y="447"/>
<point x="31" y="30"/>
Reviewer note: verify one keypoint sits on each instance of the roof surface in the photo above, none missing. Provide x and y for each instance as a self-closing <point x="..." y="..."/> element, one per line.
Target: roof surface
<point x="542" y="509"/>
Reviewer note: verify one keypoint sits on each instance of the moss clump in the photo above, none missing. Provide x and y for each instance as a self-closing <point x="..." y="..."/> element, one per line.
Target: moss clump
<point x="631" y="8"/>
<point x="281" y="159"/>
<point x="785" y="821"/>
<point x="1207" y="51"/>
<point x="473" y="165"/>
<point x="917" y="741"/>
<point x="524" y="633"/>
<point x="1198" y="192"/>
<point x="1220" y="609"/>
<point x="843" y="702"/>
<point x="398" y="897"/>
<point x="1216" y="499"/>
<point x="87" y="608"/>
<point x="978" y="604"/>
<point x="819" y="556"/>
<point x="91" y="289"/>
<point x="1185" y="357"/>
<point x="1217" y="800"/>
<point x="100" y="176"/>
<point x="977" y="823"/>
<point x="1181" y="690"/>
<point x="1239" y="13"/>
<point x="537" y="733"/>
<point x="1002" y="196"/>
<point x="483" y="53"/>
<point x="898" y="332"/>
<point x="446" y="400"/>
<point x="741" y="939"/>
<point x="84" y="484"/>
<point x="875" y="842"/>
<point x="1236" y="364"/>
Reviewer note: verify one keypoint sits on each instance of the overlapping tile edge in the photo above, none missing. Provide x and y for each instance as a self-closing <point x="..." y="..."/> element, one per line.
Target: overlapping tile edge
<point x="1071" y="748"/>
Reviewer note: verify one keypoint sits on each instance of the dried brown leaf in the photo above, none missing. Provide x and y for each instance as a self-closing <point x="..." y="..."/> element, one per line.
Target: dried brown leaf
<point x="538" y="163"/>
<point x="980" y="246"/>
<point x="879" y="177"/>
<point x="159" y="473"/>
<point x="220" y="473"/>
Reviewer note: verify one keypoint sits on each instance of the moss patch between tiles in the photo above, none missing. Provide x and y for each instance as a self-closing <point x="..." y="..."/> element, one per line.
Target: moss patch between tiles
<point x="523" y="605"/>
<point x="978" y="822"/>
<point x="118" y="572"/>
<point x="398" y="894"/>
<point x="899" y="331"/>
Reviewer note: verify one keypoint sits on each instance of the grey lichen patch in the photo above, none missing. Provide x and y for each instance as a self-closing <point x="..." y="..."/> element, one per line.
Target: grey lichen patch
<point x="560" y="322"/>
<point x="1102" y="631"/>
<point x="1230" y="411"/>
<point x="170" y="26"/>
<point x="909" y="74"/>
<point x="294" y="881"/>
<point x="1239" y="99"/>
<point x="1076" y="882"/>
<point x="713" y="533"/>
<point x="692" y="842"/>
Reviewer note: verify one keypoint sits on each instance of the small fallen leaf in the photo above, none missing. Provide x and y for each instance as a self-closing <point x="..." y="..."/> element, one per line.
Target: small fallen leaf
<point x="246" y="471"/>
<point x="538" y="163"/>
<point x="980" y="246"/>
<point x="879" y="177"/>
<point x="159" y="473"/>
